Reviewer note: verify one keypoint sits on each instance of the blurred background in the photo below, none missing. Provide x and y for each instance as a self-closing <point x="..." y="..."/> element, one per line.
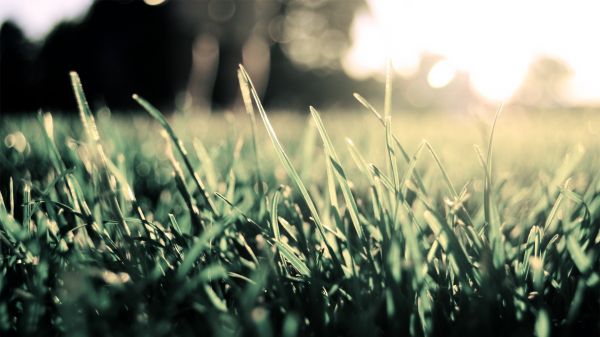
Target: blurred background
<point x="182" y="54"/>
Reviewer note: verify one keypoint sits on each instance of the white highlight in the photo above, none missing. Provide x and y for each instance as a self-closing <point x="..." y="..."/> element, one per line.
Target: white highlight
<point x="38" y="17"/>
<point x="493" y="41"/>
<point x="441" y="74"/>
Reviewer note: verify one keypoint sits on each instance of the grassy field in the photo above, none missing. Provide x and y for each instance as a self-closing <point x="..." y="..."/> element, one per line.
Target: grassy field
<point x="359" y="223"/>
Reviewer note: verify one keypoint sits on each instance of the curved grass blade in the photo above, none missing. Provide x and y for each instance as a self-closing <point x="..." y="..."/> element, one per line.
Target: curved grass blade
<point x="490" y="213"/>
<point x="363" y="101"/>
<point x="247" y="98"/>
<point x="289" y="255"/>
<point x="274" y="217"/>
<point x="91" y="130"/>
<point x="290" y="168"/>
<point x="154" y="112"/>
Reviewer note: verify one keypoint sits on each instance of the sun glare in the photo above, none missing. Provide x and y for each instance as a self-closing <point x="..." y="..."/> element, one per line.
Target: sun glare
<point x="441" y="74"/>
<point x="493" y="42"/>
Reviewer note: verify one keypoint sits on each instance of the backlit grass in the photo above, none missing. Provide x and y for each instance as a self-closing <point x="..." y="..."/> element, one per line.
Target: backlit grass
<point x="341" y="224"/>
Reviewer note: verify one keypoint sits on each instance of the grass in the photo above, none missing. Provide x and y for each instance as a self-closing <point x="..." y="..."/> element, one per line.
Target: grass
<point x="107" y="228"/>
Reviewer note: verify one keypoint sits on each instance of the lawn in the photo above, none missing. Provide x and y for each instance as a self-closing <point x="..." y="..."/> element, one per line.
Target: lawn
<point x="370" y="222"/>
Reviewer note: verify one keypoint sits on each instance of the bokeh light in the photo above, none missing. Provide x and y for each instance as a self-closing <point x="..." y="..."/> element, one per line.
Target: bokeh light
<point x="441" y="74"/>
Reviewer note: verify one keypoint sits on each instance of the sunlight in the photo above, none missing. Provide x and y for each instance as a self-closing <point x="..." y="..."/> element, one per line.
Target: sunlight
<point x="493" y="42"/>
<point x="441" y="74"/>
<point x="154" y="2"/>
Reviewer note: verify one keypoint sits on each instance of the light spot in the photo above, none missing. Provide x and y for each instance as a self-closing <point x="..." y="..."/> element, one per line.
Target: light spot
<point x="221" y="10"/>
<point x="17" y="141"/>
<point x="259" y="314"/>
<point x="154" y="2"/>
<point x="441" y="74"/>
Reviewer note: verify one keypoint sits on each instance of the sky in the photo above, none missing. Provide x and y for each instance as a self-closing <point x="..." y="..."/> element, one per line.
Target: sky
<point x="38" y="17"/>
<point x="493" y="41"/>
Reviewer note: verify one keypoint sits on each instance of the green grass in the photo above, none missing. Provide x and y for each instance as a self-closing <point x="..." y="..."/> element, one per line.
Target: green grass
<point x="336" y="224"/>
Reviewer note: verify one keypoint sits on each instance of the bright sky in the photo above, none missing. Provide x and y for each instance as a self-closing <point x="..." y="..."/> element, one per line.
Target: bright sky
<point x="494" y="41"/>
<point x="37" y="17"/>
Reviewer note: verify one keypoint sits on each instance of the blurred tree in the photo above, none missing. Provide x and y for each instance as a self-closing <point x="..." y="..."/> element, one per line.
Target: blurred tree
<point x="118" y="48"/>
<point x="312" y="34"/>
<point x="545" y="84"/>
<point x="15" y="65"/>
<point x="184" y="54"/>
<point x="224" y="35"/>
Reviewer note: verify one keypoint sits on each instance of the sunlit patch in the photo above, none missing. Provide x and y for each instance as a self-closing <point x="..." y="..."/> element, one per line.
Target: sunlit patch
<point x="16" y="140"/>
<point x="497" y="82"/>
<point x="114" y="278"/>
<point x="441" y="74"/>
<point x="360" y="62"/>
<point x="154" y="2"/>
<point x="583" y="85"/>
<point x="49" y="125"/>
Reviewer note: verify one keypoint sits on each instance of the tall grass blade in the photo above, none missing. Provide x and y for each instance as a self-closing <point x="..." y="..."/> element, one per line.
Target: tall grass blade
<point x="247" y="98"/>
<point x="339" y="172"/>
<point x="289" y="167"/>
<point x="180" y="148"/>
<point x="91" y="129"/>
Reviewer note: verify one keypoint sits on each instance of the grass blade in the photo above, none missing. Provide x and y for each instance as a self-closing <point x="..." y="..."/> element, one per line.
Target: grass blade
<point x="339" y="172"/>
<point x="289" y="167"/>
<point x="154" y="112"/>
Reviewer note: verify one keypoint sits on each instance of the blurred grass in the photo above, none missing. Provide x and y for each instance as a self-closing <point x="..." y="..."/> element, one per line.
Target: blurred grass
<point x="527" y="144"/>
<point x="123" y="235"/>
